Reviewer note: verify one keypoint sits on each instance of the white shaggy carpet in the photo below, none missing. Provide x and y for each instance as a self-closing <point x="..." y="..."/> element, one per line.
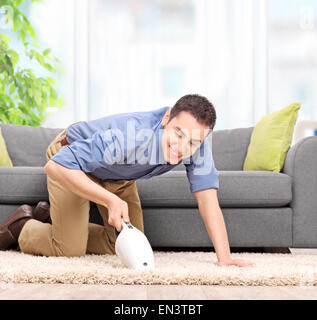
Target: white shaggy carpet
<point x="187" y="268"/>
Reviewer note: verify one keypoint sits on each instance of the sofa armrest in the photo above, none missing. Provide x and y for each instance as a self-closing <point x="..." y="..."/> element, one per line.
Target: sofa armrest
<point x="301" y="164"/>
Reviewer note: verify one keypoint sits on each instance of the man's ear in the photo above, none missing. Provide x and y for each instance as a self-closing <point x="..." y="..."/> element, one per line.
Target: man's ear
<point x="166" y="117"/>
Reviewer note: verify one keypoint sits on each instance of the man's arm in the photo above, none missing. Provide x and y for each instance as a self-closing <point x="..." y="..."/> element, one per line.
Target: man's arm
<point x="79" y="183"/>
<point x="212" y="216"/>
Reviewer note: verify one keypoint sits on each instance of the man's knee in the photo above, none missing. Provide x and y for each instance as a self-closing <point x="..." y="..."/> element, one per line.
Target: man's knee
<point x="68" y="250"/>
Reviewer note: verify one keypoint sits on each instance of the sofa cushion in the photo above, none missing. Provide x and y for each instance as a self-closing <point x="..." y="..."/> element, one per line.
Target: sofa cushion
<point x="26" y="144"/>
<point x="229" y="147"/>
<point x="237" y="189"/>
<point x="243" y="189"/>
<point x="171" y="189"/>
<point x="22" y="185"/>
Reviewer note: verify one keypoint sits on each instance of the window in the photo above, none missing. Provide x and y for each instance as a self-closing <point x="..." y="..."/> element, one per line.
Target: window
<point x="293" y="55"/>
<point x="248" y="57"/>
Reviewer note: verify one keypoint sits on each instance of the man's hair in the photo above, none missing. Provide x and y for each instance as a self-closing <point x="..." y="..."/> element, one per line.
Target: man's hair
<point x="198" y="106"/>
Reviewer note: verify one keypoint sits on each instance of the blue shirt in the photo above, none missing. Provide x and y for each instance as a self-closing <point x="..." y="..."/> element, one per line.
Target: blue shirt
<point x="127" y="146"/>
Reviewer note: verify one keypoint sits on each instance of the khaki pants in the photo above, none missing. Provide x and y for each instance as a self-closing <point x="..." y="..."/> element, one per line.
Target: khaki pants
<point x="71" y="233"/>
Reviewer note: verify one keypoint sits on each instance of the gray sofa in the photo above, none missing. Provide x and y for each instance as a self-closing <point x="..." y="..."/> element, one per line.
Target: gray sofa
<point x="260" y="208"/>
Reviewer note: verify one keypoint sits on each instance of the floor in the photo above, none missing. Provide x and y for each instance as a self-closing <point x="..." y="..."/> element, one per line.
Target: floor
<point x="26" y="291"/>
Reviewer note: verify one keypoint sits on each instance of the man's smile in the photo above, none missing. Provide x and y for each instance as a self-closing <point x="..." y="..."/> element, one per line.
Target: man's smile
<point x="173" y="153"/>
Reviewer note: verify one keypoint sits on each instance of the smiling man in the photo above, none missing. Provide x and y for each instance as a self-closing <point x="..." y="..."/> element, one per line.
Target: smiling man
<point x="100" y="161"/>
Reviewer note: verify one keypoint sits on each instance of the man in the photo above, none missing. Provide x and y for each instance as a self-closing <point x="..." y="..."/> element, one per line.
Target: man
<point x="100" y="161"/>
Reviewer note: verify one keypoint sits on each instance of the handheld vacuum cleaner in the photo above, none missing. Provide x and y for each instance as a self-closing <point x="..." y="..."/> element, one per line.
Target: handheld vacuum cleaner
<point x="133" y="247"/>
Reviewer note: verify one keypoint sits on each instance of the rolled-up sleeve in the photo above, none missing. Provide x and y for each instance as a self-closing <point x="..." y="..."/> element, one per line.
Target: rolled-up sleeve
<point x="83" y="154"/>
<point x="201" y="171"/>
<point x="66" y="158"/>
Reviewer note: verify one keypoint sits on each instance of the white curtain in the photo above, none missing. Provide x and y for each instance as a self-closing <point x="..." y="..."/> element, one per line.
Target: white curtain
<point x="149" y="54"/>
<point x="123" y="55"/>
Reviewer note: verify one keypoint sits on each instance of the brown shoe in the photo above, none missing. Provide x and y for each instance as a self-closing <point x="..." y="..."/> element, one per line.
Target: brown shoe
<point x="10" y="229"/>
<point x="42" y="212"/>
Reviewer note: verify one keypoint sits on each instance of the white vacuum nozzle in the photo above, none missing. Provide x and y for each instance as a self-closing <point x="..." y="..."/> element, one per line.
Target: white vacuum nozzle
<point x="133" y="247"/>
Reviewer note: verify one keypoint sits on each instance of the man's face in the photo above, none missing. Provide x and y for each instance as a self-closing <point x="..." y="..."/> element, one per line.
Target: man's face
<point x="182" y="136"/>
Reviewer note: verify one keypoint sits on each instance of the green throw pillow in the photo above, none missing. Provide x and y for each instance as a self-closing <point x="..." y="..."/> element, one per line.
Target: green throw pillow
<point x="270" y="140"/>
<point x="5" y="160"/>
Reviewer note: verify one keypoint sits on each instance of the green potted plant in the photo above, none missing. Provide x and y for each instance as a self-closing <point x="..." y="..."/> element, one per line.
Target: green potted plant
<point x="25" y="96"/>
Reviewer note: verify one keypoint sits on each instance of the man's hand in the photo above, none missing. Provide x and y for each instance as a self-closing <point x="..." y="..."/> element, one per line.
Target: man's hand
<point x="235" y="262"/>
<point x="117" y="208"/>
<point x="212" y="216"/>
